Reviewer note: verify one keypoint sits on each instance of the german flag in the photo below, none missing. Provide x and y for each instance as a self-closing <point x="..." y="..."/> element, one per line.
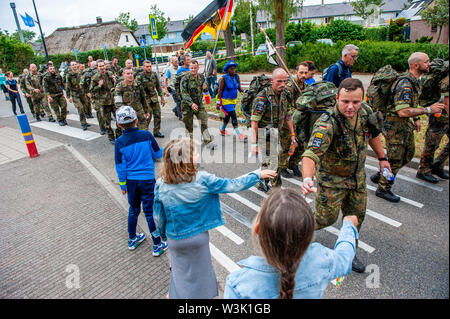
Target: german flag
<point x="209" y="21"/>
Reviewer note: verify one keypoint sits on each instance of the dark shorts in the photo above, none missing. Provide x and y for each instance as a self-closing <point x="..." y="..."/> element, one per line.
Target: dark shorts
<point x="4" y="89"/>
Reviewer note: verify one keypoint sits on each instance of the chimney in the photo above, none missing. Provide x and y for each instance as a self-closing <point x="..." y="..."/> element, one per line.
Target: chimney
<point x="322" y="3"/>
<point x="99" y="20"/>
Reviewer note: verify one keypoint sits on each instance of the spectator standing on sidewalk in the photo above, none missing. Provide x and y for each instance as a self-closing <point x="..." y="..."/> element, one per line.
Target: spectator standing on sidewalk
<point x="229" y="86"/>
<point x="3" y="84"/>
<point x="169" y="83"/>
<point x="13" y="92"/>
<point x="134" y="153"/>
<point x="210" y="73"/>
<point x="291" y="266"/>
<point x="341" y="70"/>
<point x="187" y="206"/>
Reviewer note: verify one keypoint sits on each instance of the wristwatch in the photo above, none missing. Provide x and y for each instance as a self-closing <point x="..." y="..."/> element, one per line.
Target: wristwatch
<point x="383" y="159"/>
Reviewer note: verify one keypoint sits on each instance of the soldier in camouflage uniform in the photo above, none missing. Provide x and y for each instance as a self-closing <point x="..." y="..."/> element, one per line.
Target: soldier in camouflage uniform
<point x="45" y="103"/>
<point x="115" y="67"/>
<point x="397" y="128"/>
<point x="84" y="99"/>
<point x="102" y="86"/>
<point x="129" y="65"/>
<point x="33" y="84"/>
<point x="192" y="86"/>
<point x="86" y="78"/>
<point x="294" y="89"/>
<point x="338" y="145"/>
<point x="53" y="87"/>
<point x="74" y="92"/>
<point x="23" y="88"/>
<point x="437" y="128"/>
<point x="270" y="111"/>
<point x="128" y="92"/>
<point x="149" y="83"/>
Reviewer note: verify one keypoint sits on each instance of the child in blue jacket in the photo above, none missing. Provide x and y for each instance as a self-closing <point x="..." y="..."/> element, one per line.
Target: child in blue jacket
<point x="134" y="153"/>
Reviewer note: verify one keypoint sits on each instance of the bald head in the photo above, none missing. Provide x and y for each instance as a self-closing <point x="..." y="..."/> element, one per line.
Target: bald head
<point x="419" y="63"/>
<point x="279" y="79"/>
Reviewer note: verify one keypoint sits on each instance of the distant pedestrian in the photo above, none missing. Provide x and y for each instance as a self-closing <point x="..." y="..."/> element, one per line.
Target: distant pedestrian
<point x="210" y="73"/>
<point x="90" y="60"/>
<point x="229" y="85"/>
<point x="291" y="266"/>
<point x="169" y="83"/>
<point x="3" y="84"/>
<point x="134" y="153"/>
<point x="310" y="75"/>
<point x="187" y="206"/>
<point x="341" y="70"/>
<point x="13" y="92"/>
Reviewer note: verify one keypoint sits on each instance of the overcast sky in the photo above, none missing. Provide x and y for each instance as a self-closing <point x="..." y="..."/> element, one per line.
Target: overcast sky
<point x="66" y="13"/>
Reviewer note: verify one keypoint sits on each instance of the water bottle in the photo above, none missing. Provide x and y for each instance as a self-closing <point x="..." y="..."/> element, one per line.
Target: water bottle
<point x="207" y="96"/>
<point x="291" y="149"/>
<point x="440" y="113"/>
<point x="388" y="175"/>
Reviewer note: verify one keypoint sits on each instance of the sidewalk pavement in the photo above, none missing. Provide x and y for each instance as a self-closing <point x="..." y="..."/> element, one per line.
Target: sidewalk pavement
<point x="59" y="221"/>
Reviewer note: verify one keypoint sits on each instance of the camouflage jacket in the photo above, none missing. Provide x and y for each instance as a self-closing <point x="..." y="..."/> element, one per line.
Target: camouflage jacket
<point x="192" y="90"/>
<point x="293" y="90"/>
<point x="405" y="93"/>
<point x="73" y="84"/>
<point x="270" y="109"/>
<point x="22" y="83"/>
<point x="103" y="94"/>
<point x="136" y="71"/>
<point x="340" y="150"/>
<point x="116" y="70"/>
<point x="130" y="95"/>
<point x="53" y="84"/>
<point x="86" y="77"/>
<point x="150" y="85"/>
<point x="33" y="82"/>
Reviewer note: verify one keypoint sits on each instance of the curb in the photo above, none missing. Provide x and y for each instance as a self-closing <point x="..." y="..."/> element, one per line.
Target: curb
<point x="414" y="164"/>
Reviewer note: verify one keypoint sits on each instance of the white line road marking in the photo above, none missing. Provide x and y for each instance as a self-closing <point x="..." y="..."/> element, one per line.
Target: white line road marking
<point x="76" y="117"/>
<point x="229" y="234"/>
<point x="223" y="259"/>
<point x="411" y="180"/>
<point x="330" y="229"/>
<point x="383" y="218"/>
<point x="237" y="216"/>
<point x="67" y="130"/>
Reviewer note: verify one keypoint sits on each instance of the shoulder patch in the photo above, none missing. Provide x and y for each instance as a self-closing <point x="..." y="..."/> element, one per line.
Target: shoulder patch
<point x="317" y="141"/>
<point x="260" y="106"/>
<point x="324" y="117"/>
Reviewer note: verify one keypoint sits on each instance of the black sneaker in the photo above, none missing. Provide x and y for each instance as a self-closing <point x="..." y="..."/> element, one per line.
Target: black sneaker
<point x="439" y="172"/>
<point x="358" y="266"/>
<point x="375" y="178"/>
<point x="158" y="134"/>
<point x="297" y="171"/>
<point x="51" y="120"/>
<point x="284" y="173"/>
<point x="427" y="178"/>
<point x="387" y="195"/>
<point x="102" y="131"/>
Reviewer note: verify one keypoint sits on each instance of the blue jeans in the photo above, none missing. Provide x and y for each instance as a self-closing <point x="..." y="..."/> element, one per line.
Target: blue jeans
<point x="140" y="192"/>
<point x="177" y="108"/>
<point x="210" y="82"/>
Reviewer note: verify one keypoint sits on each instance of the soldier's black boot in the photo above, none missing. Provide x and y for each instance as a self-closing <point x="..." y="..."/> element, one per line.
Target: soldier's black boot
<point x="158" y="134"/>
<point x="263" y="186"/>
<point x="375" y="177"/>
<point x="357" y="265"/>
<point x="84" y="127"/>
<point x="38" y="118"/>
<point x="284" y="172"/>
<point x="51" y="119"/>
<point x="387" y="195"/>
<point x="427" y="178"/>
<point x="297" y="171"/>
<point x="439" y="172"/>
<point x="102" y="131"/>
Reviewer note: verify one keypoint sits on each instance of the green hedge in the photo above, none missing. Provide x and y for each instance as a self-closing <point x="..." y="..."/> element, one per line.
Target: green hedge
<point x="14" y="55"/>
<point x="372" y="55"/>
<point x="376" y="34"/>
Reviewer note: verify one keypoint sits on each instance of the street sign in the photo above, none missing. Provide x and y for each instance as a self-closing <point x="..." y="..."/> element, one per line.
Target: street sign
<point x="152" y="27"/>
<point x="75" y="51"/>
<point x="142" y="43"/>
<point x="136" y="56"/>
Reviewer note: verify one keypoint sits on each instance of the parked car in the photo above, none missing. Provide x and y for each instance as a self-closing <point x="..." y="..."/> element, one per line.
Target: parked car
<point x="291" y="44"/>
<point x="262" y="49"/>
<point x="327" y="41"/>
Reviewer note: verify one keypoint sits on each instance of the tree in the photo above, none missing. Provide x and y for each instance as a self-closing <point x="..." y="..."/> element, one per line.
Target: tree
<point x="436" y="15"/>
<point x="242" y="16"/>
<point x="227" y="36"/>
<point x="365" y="8"/>
<point x="28" y="35"/>
<point x="161" y="21"/>
<point x="124" y="18"/>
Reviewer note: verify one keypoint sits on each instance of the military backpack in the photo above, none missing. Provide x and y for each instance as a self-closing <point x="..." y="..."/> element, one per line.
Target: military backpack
<point x="258" y="83"/>
<point x="431" y="88"/>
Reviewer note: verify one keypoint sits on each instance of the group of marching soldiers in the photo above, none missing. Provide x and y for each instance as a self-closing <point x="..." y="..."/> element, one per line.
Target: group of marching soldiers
<point x="103" y="86"/>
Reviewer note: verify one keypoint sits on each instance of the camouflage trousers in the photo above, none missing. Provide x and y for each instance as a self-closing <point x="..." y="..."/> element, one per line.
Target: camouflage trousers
<point x="155" y="112"/>
<point x="30" y="104"/>
<point x="271" y="154"/>
<point x="107" y="111"/>
<point x="400" y="147"/>
<point x="100" y="117"/>
<point x="202" y="116"/>
<point x="286" y="161"/>
<point x="80" y="108"/>
<point x="87" y="102"/>
<point x="329" y="201"/>
<point x="41" y="104"/>
<point x="59" y="106"/>
<point x="435" y="132"/>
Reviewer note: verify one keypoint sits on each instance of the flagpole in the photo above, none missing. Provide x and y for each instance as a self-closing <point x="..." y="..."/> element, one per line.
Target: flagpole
<point x="220" y="27"/>
<point x="279" y="57"/>
<point x="13" y="7"/>
<point x="40" y="29"/>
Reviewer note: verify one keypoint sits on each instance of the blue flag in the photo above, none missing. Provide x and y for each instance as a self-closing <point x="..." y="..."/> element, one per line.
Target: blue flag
<point x="30" y="20"/>
<point x="25" y="20"/>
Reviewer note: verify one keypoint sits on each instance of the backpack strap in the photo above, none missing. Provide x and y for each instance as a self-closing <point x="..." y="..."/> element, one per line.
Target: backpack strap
<point x="339" y="69"/>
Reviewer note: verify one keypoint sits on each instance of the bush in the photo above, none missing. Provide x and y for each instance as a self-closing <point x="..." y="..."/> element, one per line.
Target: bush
<point x="424" y="39"/>
<point x="376" y="34"/>
<point x="14" y="55"/>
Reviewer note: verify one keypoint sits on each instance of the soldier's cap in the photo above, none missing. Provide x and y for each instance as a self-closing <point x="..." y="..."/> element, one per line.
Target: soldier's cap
<point x="125" y="114"/>
<point x="228" y="65"/>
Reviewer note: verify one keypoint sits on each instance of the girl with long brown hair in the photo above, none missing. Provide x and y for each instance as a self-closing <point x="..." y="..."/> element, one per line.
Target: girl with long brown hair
<point x="292" y="266"/>
<point x="186" y="206"/>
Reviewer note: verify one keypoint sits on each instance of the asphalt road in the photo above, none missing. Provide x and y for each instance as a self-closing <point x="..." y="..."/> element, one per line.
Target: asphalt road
<point x="405" y="246"/>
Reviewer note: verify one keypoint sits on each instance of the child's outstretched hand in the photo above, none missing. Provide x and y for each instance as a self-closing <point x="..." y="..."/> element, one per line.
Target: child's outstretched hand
<point x="267" y="173"/>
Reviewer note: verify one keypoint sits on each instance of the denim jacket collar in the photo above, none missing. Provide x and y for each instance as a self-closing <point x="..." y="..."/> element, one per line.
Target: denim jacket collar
<point x="258" y="263"/>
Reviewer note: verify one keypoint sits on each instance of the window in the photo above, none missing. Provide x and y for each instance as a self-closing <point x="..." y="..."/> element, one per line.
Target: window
<point x="126" y="38"/>
<point x="434" y="28"/>
<point x="328" y="19"/>
<point x="172" y="35"/>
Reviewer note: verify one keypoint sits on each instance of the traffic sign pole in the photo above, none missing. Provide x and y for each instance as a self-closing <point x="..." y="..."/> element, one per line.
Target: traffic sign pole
<point x="154" y="33"/>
